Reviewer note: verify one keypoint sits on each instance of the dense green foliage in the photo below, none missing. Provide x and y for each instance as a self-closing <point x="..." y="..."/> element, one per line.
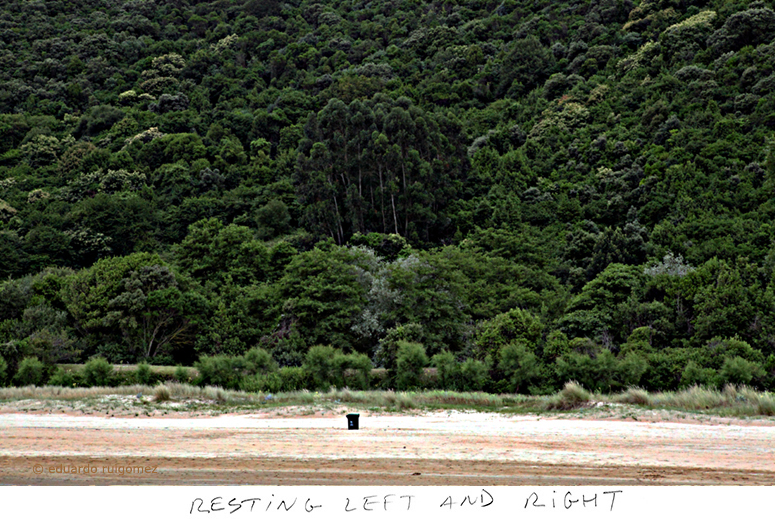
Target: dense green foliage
<point x="525" y="192"/>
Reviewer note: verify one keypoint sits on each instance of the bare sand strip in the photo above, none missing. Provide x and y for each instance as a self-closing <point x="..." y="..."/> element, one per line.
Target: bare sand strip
<point x="439" y="448"/>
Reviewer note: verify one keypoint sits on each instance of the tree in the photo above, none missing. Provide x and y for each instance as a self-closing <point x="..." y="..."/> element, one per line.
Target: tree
<point x="214" y="252"/>
<point x="504" y="329"/>
<point x="321" y="295"/>
<point x="136" y="299"/>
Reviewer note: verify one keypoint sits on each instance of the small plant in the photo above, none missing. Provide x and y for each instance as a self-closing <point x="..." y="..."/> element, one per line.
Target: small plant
<point x="738" y="370"/>
<point x="31" y="372"/>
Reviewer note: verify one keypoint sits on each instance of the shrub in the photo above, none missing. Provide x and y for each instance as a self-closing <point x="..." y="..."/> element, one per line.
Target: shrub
<point x="3" y="371"/>
<point x="386" y="352"/>
<point x="410" y="362"/>
<point x="737" y="370"/>
<point x="447" y="371"/>
<point x="505" y="328"/>
<point x="631" y="368"/>
<point x="264" y="383"/>
<point x="98" y="372"/>
<point x="143" y="375"/>
<point x="518" y="364"/>
<point x="63" y="378"/>
<point x="695" y="375"/>
<point x="665" y="368"/>
<point x="182" y="374"/>
<point x="359" y="368"/>
<point x="322" y="363"/>
<point x="294" y="379"/>
<point x="474" y="375"/>
<point x="605" y="366"/>
<point x="31" y="372"/>
<point x="577" y="367"/>
<point x="220" y="370"/>
<point x="258" y="360"/>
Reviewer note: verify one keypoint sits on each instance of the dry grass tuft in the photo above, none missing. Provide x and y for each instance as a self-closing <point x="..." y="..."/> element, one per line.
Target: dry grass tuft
<point x="572" y="396"/>
<point x="633" y="395"/>
<point x="161" y="394"/>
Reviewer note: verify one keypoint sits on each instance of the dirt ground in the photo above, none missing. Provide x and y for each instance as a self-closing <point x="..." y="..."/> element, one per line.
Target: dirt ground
<point x="308" y="446"/>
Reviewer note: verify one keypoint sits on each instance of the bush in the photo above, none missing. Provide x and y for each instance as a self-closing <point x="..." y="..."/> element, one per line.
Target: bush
<point x="474" y="375"/>
<point x="518" y="364"/>
<point x="182" y="374"/>
<point x="63" y="378"/>
<point x="447" y="371"/>
<point x="665" y="369"/>
<point x="259" y="361"/>
<point x="575" y="366"/>
<point x="220" y="370"/>
<point x="696" y="375"/>
<point x="739" y="371"/>
<point x="322" y="364"/>
<point x="263" y="383"/>
<point x="359" y="369"/>
<point x="143" y="375"/>
<point x="516" y="324"/>
<point x="410" y="362"/>
<point x="3" y="371"/>
<point x="631" y="368"/>
<point x="294" y="379"/>
<point x="98" y="372"/>
<point x="31" y="372"/>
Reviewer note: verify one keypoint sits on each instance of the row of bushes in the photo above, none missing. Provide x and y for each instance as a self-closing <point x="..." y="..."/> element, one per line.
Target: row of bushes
<point x="516" y="369"/>
<point x="256" y="370"/>
<point x="96" y="372"/>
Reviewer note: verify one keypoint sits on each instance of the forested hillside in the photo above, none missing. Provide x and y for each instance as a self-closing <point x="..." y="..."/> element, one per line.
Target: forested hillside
<point x="517" y="192"/>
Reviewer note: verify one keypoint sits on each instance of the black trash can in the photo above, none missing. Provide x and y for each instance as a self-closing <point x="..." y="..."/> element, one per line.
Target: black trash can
<point x="352" y="421"/>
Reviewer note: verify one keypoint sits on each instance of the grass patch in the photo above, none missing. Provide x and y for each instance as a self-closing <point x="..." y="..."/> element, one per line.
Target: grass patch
<point x="731" y="401"/>
<point x="572" y="396"/>
<point x="161" y="394"/>
<point x="634" y="396"/>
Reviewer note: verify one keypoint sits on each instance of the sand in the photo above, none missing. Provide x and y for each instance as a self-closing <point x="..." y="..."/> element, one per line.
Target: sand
<point x="292" y="446"/>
